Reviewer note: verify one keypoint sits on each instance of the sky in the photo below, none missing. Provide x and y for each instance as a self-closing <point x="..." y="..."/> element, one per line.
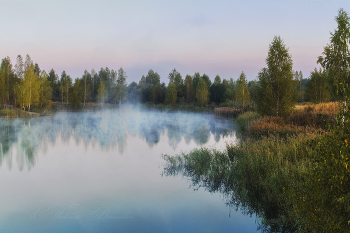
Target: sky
<point x="213" y="37"/>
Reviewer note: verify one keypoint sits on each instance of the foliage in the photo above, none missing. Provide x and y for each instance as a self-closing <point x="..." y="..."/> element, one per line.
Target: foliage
<point x="45" y="90"/>
<point x="29" y="88"/>
<point x="244" y="119"/>
<point x="171" y="94"/>
<point x="276" y="94"/>
<point x="202" y="93"/>
<point x="217" y="90"/>
<point x="336" y="54"/>
<point x="120" y="89"/>
<point x="189" y="90"/>
<point x="65" y="84"/>
<point x="242" y="92"/>
<point x="324" y="186"/>
<point x="76" y="95"/>
<point x="319" y="89"/>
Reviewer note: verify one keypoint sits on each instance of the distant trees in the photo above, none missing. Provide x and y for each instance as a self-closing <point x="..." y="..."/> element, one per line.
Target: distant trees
<point x="120" y="88"/>
<point x="45" y="90"/>
<point x="319" y="88"/>
<point x="242" y="92"/>
<point x="202" y="93"/>
<point x="65" y="85"/>
<point x="276" y="94"/>
<point x="189" y="90"/>
<point x="29" y="88"/>
<point x="102" y="93"/>
<point x="217" y="90"/>
<point x="171" y="93"/>
<point x="76" y="93"/>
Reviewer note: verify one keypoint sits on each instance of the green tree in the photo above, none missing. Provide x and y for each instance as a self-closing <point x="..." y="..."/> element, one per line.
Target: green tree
<point x="65" y="85"/>
<point x="121" y="86"/>
<point x="55" y="85"/>
<point x="336" y="54"/>
<point x="319" y="89"/>
<point x="86" y="82"/>
<point x="3" y="95"/>
<point x="171" y="94"/>
<point x="217" y="90"/>
<point x="242" y="92"/>
<point x="9" y="77"/>
<point x="102" y="93"/>
<point x="202" y="93"/>
<point x="45" y="90"/>
<point x="76" y="95"/>
<point x="189" y="90"/>
<point x="29" y="88"/>
<point x="276" y="92"/>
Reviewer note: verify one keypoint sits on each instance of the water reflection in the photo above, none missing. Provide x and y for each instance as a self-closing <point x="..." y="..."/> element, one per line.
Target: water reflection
<point x="109" y="129"/>
<point x="216" y="172"/>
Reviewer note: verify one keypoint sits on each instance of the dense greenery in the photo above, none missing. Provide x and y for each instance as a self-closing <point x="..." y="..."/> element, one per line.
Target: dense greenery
<point x="276" y="94"/>
<point x="297" y="183"/>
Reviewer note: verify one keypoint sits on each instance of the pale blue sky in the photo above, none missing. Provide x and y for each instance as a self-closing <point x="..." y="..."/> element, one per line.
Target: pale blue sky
<point x="212" y="37"/>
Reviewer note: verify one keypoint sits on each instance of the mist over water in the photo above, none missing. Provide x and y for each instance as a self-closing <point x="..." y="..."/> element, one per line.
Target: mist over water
<point x="102" y="172"/>
<point x="109" y="129"/>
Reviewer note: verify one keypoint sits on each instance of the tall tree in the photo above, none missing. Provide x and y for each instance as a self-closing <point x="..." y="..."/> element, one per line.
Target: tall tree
<point x="55" y="85"/>
<point x="121" y="86"/>
<point x="171" y="94"/>
<point x="202" y="93"/>
<point x="76" y="95"/>
<point x="217" y="90"/>
<point x="65" y="85"/>
<point x="3" y="95"/>
<point x="276" y="93"/>
<point x="45" y="90"/>
<point x="189" y="90"/>
<point x="298" y="76"/>
<point x="242" y="92"/>
<point x="19" y="67"/>
<point x="6" y="68"/>
<point x="30" y="87"/>
<point x="87" y="84"/>
<point x="336" y="54"/>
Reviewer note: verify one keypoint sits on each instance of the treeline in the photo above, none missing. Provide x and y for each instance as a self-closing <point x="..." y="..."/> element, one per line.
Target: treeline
<point x="275" y="92"/>
<point x="25" y="85"/>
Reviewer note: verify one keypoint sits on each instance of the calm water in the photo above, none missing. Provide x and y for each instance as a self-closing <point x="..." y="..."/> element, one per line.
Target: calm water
<point x="102" y="172"/>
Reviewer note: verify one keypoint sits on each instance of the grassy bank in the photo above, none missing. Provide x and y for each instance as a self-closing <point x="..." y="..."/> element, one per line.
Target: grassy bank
<point x="293" y="175"/>
<point x="13" y="113"/>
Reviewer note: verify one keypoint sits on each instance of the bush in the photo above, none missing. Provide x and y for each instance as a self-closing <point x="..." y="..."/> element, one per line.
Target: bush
<point x="244" y="120"/>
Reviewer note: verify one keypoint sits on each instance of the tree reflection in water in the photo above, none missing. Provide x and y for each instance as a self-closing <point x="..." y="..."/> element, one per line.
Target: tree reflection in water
<point x="108" y="128"/>
<point x="216" y="171"/>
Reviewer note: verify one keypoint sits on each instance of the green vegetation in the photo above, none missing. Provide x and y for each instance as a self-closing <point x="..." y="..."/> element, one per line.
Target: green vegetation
<point x="202" y="94"/>
<point x="244" y="120"/>
<point x="293" y="183"/>
<point x="276" y="95"/>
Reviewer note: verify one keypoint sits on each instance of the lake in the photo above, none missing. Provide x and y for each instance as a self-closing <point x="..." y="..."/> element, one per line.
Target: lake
<point x="104" y="172"/>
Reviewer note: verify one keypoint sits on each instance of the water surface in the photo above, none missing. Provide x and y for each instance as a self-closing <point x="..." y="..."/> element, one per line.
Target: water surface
<point x="102" y="172"/>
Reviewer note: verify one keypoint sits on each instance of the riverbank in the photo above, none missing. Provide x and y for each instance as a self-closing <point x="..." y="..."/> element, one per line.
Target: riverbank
<point x="293" y="173"/>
